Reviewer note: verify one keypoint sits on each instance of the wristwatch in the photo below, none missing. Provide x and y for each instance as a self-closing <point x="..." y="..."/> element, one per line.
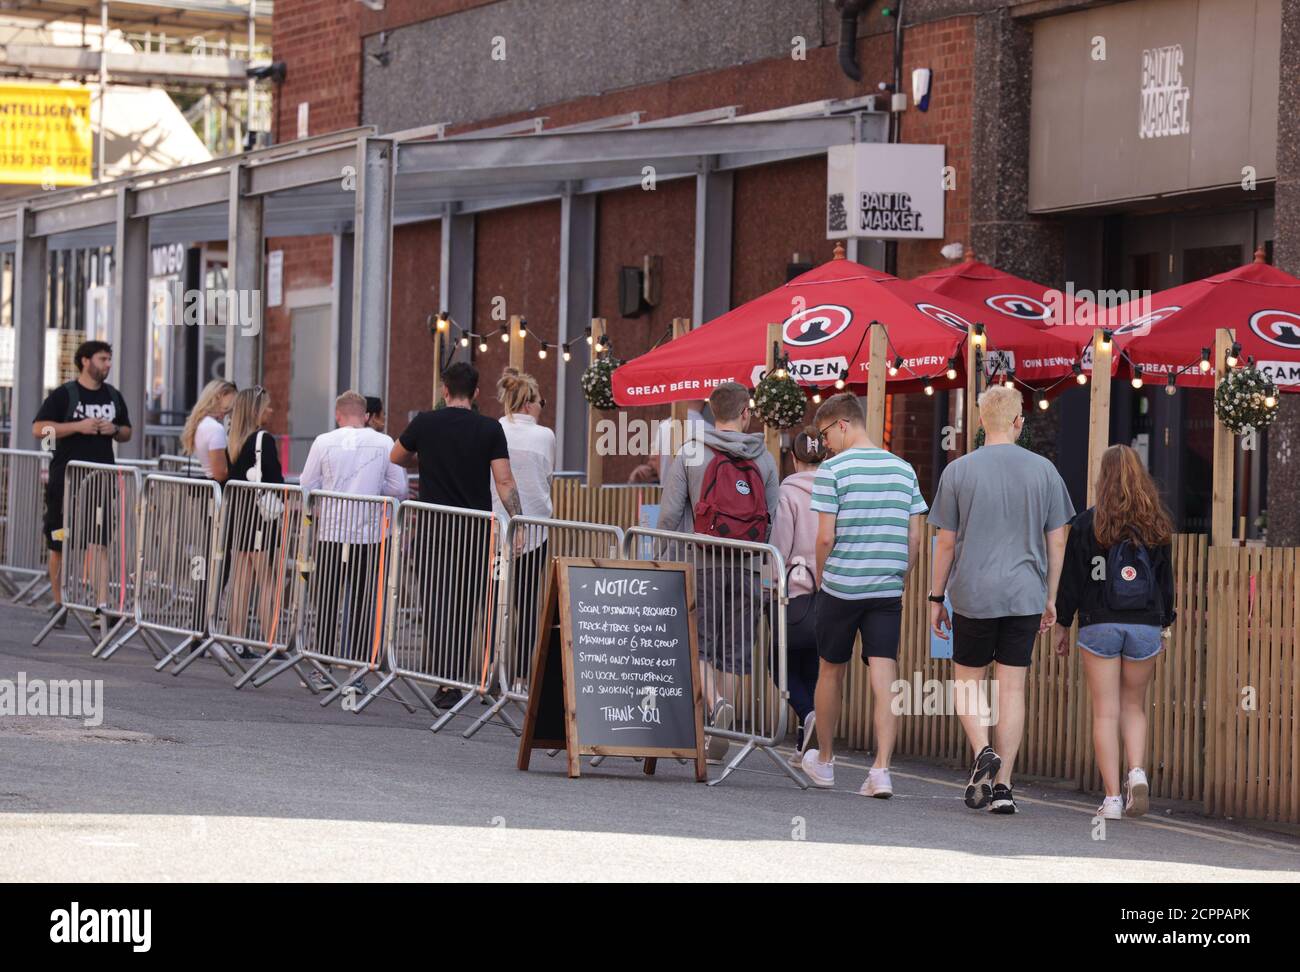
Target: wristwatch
<point x="934" y="598"/>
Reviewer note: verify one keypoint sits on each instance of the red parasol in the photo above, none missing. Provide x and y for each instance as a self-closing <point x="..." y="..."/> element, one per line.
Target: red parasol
<point x="826" y="315"/>
<point x="1169" y="333"/>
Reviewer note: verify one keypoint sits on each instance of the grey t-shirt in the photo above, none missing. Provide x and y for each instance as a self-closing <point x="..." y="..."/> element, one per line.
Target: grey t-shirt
<point x="1000" y="500"/>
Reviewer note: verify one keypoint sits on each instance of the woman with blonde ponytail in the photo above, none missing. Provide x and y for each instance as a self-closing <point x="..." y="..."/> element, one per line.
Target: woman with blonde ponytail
<point x="532" y="459"/>
<point x="204" y="435"/>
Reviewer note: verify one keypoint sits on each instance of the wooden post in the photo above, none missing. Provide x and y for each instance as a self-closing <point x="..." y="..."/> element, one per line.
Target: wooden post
<point x="516" y="343"/>
<point x="438" y="339"/>
<point x="1099" y="409"/>
<point x="595" y="461"/>
<point x="877" y="376"/>
<point x="974" y="365"/>
<point x="681" y="327"/>
<point x="775" y="349"/>
<point x="1225" y="444"/>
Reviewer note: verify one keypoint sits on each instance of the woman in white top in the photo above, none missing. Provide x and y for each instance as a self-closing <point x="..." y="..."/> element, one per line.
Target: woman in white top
<point x="204" y="436"/>
<point x="532" y="460"/>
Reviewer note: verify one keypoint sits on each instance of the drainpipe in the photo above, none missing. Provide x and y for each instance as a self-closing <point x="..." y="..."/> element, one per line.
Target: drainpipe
<point x="849" y="10"/>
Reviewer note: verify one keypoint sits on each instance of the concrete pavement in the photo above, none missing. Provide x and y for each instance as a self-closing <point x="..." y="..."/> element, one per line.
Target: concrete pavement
<point x="190" y="780"/>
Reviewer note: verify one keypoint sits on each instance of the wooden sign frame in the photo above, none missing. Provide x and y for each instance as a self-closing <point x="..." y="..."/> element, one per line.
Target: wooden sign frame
<point x="543" y="693"/>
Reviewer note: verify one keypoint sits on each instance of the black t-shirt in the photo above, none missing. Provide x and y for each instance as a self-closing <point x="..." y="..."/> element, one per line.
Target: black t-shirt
<point x="456" y="447"/>
<point x="98" y="402"/>
<point x="271" y="471"/>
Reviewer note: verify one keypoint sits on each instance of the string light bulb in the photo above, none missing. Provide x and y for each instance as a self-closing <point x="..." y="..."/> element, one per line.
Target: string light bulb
<point x="1107" y="338"/>
<point x="1205" y="359"/>
<point x="442" y="321"/>
<point x="482" y="345"/>
<point x="817" y="398"/>
<point x="1171" y="387"/>
<point x="1270" y="396"/>
<point x="541" y="352"/>
<point x="978" y="336"/>
<point x="523" y="326"/>
<point x="1079" y="375"/>
<point x="464" y="340"/>
<point x="893" y="368"/>
<point x="839" y="382"/>
<point x="952" y="369"/>
<point x="589" y="340"/>
<point x="1137" y="376"/>
<point x="1234" y="355"/>
<point x="568" y="356"/>
<point x="505" y="334"/>
<point x="1040" y="400"/>
<point x="929" y="388"/>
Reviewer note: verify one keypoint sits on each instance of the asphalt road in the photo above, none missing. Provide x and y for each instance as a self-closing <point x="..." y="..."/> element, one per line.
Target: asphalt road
<point x="187" y="779"/>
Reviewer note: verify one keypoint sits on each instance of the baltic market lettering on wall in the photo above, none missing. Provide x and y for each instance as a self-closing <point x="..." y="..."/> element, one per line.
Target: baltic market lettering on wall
<point x="1165" y="100"/>
<point x="889" y="212"/>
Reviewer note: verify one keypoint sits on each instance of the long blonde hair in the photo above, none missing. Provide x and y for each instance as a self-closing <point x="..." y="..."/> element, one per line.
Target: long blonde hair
<point x="208" y="404"/>
<point x="515" y="390"/>
<point x="249" y="404"/>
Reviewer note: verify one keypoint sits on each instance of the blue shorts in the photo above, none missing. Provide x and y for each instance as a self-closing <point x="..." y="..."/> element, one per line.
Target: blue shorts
<point x="1136" y="642"/>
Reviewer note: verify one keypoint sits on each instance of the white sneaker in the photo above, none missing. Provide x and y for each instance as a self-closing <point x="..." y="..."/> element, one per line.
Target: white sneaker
<point x="1138" y="801"/>
<point x="1112" y="808"/>
<point x="723" y="716"/>
<point x="819" y="773"/>
<point x="877" y="784"/>
<point x="805" y="739"/>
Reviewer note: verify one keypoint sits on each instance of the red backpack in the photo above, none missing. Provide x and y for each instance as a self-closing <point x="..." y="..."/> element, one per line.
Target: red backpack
<point x="732" y="503"/>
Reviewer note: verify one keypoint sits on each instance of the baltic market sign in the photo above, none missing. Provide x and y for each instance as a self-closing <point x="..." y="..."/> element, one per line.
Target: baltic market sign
<point x="614" y="669"/>
<point x="884" y="191"/>
<point x="46" y="137"/>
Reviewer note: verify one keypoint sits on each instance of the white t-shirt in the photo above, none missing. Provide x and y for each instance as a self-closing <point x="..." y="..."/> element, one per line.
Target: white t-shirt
<point x="532" y="462"/>
<point x="354" y="461"/>
<point x="208" y="438"/>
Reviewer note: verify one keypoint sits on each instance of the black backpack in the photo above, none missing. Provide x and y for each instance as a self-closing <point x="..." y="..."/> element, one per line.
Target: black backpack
<point x="1130" y="578"/>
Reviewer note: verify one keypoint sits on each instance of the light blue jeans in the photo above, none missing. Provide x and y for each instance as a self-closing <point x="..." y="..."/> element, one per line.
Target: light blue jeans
<point x="1136" y="642"/>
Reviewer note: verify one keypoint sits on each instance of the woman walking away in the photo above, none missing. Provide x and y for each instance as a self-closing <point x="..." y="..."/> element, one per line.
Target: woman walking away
<point x="204" y="435"/>
<point x="794" y="533"/>
<point x="254" y="459"/>
<point x="532" y="459"/>
<point x="1119" y="579"/>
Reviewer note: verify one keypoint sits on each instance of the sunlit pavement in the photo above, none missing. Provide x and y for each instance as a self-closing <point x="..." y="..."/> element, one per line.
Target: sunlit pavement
<point x="189" y="780"/>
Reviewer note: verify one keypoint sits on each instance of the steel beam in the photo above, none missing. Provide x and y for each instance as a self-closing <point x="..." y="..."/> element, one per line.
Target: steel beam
<point x="245" y="314"/>
<point x="372" y="262"/>
<point x="129" y="324"/>
<point x="456" y="273"/>
<point x="714" y="196"/>
<point x="576" y="303"/>
<point x="31" y="273"/>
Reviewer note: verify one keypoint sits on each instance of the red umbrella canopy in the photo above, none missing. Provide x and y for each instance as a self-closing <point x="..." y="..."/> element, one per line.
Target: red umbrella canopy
<point x="1169" y="333"/>
<point x="825" y="315"/>
<point x="1006" y="298"/>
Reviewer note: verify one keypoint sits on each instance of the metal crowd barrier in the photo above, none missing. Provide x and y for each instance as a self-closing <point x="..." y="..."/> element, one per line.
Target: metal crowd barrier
<point x="146" y="466"/>
<point x="740" y="602"/>
<point x="256" y="605"/>
<point x="97" y="573"/>
<point x="179" y="465"/>
<point x="443" y="607"/>
<point x="347" y="547"/>
<point x="177" y="568"/>
<point x="532" y="545"/>
<point x="24" y="568"/>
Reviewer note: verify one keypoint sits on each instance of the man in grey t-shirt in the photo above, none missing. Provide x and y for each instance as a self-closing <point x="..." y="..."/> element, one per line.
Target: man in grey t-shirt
<point x="1001" y="512"/>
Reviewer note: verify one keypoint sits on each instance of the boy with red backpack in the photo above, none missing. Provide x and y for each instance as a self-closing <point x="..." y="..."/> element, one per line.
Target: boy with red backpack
<point x="723" y="484"/>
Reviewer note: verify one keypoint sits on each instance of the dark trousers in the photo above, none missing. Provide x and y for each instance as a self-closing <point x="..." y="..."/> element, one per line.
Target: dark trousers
<point x="335" y="577"/>
<point x="529" y="601"/>
<point x="802" y="663"/>
<point x="454" y="615"/>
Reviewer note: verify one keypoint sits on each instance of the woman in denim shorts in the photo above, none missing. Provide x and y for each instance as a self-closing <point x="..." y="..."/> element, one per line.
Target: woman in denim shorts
<point x="1118" y="579"/>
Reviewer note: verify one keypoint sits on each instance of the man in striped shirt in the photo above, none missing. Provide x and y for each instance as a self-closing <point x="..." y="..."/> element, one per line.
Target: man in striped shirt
<point x="870" y="510"/>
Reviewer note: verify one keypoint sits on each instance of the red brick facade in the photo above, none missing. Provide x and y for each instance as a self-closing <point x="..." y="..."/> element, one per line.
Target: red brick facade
<point x="779" y="209"/>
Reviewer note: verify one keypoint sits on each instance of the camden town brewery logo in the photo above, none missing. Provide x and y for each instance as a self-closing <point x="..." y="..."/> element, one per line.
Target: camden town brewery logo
<point x="1278" y="327"/>
<point x="1018" y="305"/>
<point x="814" y="325"/>
<point x="945" y="316"/>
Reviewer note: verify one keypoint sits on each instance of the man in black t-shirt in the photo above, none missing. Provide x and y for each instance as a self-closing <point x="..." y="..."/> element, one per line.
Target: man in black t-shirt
<point x="458" y="450"/>
<point x="78" y="421"/>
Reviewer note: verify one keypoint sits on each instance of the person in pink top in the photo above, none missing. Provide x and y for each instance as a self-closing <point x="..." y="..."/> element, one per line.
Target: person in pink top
<point x="794" y="533"/>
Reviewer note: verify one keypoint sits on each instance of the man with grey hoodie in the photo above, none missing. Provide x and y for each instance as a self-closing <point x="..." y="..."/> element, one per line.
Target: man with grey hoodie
<point x="726" y="586"/>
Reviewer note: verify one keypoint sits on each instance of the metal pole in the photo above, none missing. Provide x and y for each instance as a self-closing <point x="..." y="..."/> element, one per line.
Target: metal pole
<point x="103" y="79"/>
<point x="252" y="39"/>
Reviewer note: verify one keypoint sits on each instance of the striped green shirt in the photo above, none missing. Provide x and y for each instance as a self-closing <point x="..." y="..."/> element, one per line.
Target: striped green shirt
<point x="873" y="494"/>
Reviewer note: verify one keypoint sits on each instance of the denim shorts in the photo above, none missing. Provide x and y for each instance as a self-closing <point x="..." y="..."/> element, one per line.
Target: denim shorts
<point x="1136" y="642"/>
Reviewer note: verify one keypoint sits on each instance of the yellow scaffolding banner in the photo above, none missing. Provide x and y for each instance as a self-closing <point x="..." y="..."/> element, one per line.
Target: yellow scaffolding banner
<point x="46" y="138"/>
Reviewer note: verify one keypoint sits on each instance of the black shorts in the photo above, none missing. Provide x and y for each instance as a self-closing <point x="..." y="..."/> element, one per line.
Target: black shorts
<point x="53" y="517"/>
<point x="839" y="621"/>
<point x="976" y="642"/>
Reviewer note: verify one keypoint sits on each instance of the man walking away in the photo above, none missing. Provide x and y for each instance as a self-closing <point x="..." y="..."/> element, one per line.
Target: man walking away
<point x="724" y="483"/>
<point x="353" y="459"/>
<point x="1001" y="512"/>
<point x="79" y="421"/>
<point x="869" y="529"/>
<point x="458" y="451"/>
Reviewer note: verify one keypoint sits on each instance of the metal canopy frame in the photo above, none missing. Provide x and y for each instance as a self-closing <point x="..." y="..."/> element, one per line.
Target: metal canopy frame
<point x="361" y="184"/>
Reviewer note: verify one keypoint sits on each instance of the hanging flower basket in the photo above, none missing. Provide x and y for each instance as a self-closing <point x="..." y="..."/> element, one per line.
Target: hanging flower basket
<point x="597" y="383"/>
<point x="779" y="401"/>
<point x="1241" y="400"/>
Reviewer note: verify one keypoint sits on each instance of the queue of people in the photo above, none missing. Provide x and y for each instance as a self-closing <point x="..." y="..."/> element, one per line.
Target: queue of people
<point x="1011" y="558"/>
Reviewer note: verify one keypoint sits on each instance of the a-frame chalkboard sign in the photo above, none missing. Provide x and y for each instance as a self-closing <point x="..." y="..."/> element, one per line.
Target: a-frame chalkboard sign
<point x="614" y="669"/>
